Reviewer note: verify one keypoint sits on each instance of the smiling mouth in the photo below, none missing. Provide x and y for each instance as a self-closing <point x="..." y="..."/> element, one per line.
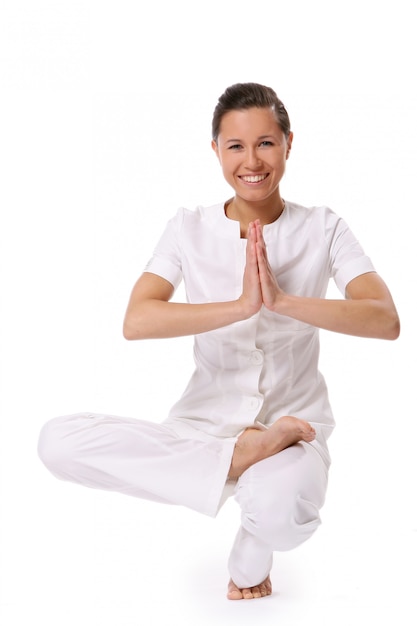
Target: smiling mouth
<point x="254" y="179"/>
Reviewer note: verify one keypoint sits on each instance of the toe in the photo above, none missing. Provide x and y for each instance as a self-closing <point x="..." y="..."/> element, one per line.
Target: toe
<point x="263" y="590"/>
<point x="233" y="592"/>
<point x="247" y="593"/>
<point x="266" y="589"/>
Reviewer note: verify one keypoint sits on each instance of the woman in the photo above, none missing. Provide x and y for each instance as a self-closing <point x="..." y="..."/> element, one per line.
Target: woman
<point x="255" y="416"/>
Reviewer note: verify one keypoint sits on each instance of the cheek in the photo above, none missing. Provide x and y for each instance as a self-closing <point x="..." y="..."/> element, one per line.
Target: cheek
<point x="226" y="164"/>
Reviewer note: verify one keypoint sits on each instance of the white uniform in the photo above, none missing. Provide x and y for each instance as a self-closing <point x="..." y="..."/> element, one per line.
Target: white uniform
<point x="251" y="371"/>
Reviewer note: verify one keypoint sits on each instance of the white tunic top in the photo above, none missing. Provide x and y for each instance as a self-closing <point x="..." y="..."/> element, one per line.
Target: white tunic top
<point x="267" y="366"/>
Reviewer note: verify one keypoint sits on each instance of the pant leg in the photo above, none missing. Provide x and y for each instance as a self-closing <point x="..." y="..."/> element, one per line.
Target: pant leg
<point x="280" y="498"/>
<point x="137" y="458"/>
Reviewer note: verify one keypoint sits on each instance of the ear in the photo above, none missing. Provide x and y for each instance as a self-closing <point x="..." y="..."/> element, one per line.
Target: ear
<point x="215" y="147"/>
<point x="289" y="144"/>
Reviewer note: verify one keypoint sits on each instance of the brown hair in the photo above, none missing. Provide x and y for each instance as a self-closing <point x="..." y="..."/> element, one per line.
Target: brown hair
<point x="245" y="96"/>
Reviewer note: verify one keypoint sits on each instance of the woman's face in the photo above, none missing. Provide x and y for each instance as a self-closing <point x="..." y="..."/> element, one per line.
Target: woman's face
<point x="252" y="150"/>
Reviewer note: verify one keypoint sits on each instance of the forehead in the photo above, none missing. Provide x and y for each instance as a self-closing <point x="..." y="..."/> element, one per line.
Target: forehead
<point x="253" y="122"/>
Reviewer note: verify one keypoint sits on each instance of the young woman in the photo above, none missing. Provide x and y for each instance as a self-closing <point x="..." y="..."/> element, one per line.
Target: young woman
<point x="255" y="417"/>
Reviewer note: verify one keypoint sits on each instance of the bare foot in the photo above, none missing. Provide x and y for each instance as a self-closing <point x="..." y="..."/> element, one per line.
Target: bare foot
<point x="253" y="445"/>
<point x="259" y="591"/>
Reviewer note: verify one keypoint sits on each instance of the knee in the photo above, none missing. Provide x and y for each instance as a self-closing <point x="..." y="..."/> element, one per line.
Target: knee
<point x="54" y="447"/>
<point x="284" y="526"/>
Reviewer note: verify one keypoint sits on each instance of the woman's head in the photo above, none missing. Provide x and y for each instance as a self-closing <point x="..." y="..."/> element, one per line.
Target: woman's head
<point x="243" y="96"/>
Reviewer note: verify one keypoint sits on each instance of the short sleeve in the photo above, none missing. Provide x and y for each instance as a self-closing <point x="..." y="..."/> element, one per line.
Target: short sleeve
<point x="347" y="257"/>
<point x="166" y="258"/>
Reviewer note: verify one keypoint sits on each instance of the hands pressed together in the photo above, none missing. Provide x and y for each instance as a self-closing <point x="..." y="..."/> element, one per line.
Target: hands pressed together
<point x="260" y="286"/>
<point x="367" y="311"/>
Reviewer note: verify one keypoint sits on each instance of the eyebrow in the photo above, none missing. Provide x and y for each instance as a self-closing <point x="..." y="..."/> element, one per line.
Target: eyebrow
<point x="258" y="139"/>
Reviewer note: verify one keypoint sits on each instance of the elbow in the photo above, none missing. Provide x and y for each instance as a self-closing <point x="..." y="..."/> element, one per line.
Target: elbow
<point x="395" y="330"/>
<point x="128" y="333"/>
<point x="132" y="331"/>
<point x="138" y="323"/>
<point x="392" y="328"/>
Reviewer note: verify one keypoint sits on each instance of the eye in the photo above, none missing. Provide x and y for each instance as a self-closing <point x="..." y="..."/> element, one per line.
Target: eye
<point x="235" y="146"/>
<point x="266" y="143"/>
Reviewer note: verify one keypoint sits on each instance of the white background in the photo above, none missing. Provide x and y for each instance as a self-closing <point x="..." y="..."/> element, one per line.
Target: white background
<point x="105" y="115"/>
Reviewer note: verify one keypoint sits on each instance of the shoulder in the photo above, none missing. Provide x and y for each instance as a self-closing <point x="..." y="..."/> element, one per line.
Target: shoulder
<point x="186" y="220"/>
<point x="201" y="213"/>
<point x="315" y="212"/>
<point x="317" y="218"/>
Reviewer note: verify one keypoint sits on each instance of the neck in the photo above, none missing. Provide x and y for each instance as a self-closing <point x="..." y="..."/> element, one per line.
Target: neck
<point x="246" y="212"/>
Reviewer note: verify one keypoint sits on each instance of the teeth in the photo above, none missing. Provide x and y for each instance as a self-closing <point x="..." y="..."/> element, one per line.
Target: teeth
<point x="254" y="179"/>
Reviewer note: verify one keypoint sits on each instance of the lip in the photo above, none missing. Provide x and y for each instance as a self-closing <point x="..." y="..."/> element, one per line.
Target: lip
<point x="258" y="179"/>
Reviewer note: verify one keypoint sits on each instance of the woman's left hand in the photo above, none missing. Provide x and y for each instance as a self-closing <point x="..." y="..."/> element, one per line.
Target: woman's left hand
<point x="271" y="291"/>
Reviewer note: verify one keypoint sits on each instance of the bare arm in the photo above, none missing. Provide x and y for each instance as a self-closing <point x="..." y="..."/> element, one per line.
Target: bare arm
<point x="150" y="314"/>
<point x="368" y="311"/>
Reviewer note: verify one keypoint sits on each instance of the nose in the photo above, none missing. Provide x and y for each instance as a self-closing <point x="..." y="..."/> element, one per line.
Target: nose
<point x="252" y="160"/>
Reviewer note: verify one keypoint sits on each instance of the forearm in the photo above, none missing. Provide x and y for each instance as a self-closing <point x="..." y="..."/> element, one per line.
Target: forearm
<point x="362" y="318"/>
<point x="153" y="319"/>
<point x="368" y="310"/>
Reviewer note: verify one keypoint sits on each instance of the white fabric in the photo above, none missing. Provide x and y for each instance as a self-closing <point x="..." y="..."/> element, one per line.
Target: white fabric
<point x="138" y="458"/>
<point x="267" y="366"/>
<point x="251" y="371"/>
<point x="280" y="498"/>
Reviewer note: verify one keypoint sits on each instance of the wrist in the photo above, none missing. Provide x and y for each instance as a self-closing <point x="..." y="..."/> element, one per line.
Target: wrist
<point x="244" y="309"/>
<point x="280" y="304"/>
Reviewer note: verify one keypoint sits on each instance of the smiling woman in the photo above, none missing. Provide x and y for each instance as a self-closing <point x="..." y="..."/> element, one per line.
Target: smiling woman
<point x="255" y="417"/>
<point x="252" y="150"/>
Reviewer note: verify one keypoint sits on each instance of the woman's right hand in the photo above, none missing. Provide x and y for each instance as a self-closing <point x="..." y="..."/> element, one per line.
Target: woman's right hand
<point x="251" y="298"/>
<point x="151" y="315"/>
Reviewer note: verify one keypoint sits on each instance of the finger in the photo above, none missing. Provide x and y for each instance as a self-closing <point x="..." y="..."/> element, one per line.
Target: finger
<point x="259" y="233"/>
<point x="261" y="256"/>
<point x="251" y="231"/>
<point x="251" y="244"/>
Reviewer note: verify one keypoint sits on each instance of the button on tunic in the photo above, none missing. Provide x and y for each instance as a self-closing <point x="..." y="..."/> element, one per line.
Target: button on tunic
<point x="252" y="371"/>
<point x="264" y="367"/>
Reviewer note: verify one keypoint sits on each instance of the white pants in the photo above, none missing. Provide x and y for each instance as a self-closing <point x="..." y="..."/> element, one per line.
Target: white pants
<point x="280" y="497"/>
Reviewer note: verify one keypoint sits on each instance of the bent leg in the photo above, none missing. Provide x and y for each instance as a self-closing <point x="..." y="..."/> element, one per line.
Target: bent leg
<point x="137" y="458"/>
<point x="280" y="498"/>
